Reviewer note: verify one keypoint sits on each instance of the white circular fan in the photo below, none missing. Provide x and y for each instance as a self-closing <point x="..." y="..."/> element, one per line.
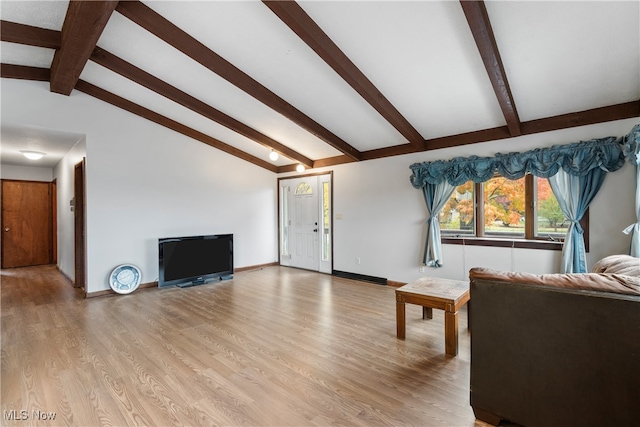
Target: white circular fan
<point x="125" y="278"/>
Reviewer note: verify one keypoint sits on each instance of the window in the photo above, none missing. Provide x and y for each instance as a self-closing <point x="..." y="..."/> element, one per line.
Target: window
<point x="326" y="221"/>
<point x="303" y="189"/>
<point x="550" y="221"/>
<point x="503" y="209"/>
<point x="284" y="220"/>
<point x="458" y="215"/>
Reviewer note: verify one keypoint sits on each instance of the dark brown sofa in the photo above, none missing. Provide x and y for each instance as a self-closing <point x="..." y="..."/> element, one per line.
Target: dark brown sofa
<point x="557" y="349"/>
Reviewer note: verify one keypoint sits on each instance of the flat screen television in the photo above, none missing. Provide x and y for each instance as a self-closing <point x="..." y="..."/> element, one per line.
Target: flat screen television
<point x="194" y="260"/>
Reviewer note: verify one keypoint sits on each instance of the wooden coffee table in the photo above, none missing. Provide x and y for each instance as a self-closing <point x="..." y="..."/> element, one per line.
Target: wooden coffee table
<point x="430" y="293"/>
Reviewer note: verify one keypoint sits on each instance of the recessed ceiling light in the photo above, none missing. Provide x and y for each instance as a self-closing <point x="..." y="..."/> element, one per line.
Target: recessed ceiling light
<point x="273" y="155"/>
<point x="300" y="168"/>
<point x="32" y="155"/>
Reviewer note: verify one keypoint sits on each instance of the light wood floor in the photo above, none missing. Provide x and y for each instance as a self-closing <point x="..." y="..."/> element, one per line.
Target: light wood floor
<point x="272" y="347"/>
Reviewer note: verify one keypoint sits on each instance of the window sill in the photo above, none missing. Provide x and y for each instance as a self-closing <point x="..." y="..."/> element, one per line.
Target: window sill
<point x="503" y="243"/>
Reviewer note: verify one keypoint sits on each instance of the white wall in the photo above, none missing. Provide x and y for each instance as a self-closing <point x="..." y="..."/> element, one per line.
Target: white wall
<point x="144" y="182"/>
<point x="384" y="218"/>
<point x="26" y="173"/>
<point x="64" y="174"/>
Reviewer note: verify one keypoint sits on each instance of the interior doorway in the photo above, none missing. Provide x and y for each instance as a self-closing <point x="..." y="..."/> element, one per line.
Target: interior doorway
<point x="305" y="222"/>
<point x="28" y="225"/>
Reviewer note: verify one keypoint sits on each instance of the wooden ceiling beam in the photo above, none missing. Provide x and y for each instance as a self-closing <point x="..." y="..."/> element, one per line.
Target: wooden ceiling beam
<point x="610" y="113"/>
<point x="14" y="32"/>
<point x="306" y="28"/>
<point x="627" y="110"/>
<point x="484" y="135"/>
<point x="83" y="24"/>
<point x="156" y="24"/>
<point x="476" y="13"/>
<point x="141" y="77"/>
<point x="143" y="112"/>
<point x="23" y="72"/>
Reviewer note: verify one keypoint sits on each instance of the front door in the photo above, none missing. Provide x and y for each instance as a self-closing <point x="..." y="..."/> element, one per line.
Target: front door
<point x="305" y="216"/>
<point x="303" y="232"/>
<point x="27" y="229"/>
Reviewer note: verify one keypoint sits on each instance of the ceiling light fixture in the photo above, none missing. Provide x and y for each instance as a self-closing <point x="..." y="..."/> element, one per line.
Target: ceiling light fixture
<point x="273" y="155"/>
<point x="32" y="155"/>
<point x="300" y="168"/>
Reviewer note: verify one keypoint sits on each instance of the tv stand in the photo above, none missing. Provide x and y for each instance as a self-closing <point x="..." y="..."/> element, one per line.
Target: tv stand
<point x="188" y="285"/>
<point x="197" y="283"/>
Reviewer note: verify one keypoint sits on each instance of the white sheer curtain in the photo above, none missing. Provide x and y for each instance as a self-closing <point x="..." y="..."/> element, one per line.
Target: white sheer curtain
<point x="634" y="229"/>
<point x="632" y="151"/>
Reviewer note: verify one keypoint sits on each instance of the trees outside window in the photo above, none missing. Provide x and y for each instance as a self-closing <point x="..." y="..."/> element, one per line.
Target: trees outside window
<point x="504" y="206"/>
<point x="551" y="221"/>
<point x="458" y="214"/>
<point x="524" y="209"/>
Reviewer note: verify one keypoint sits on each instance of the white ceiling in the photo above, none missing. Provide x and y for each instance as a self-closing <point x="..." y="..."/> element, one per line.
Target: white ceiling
<point x="16" y="138"/>
<point x="559" y="56"/>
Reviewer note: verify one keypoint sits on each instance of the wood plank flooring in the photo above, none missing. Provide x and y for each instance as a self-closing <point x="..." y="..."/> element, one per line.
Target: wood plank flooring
<point x="272" y="347"/>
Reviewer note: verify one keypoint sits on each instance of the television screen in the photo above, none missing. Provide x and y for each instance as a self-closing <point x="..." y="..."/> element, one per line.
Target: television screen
<point x="186" y="261"/>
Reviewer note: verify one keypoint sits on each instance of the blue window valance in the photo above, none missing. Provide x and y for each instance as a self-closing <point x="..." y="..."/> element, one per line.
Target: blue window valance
<point x="632" y="145"/>
<point x="575" y="159"/>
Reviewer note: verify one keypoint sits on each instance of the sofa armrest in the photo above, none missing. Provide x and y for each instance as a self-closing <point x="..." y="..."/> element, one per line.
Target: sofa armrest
<point x="618" y="264"/>
<point x="546" y="355"/>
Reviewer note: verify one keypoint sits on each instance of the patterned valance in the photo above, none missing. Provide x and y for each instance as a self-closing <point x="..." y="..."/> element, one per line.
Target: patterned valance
<point x="575" y="159"/>
<point x="632" y="145"/>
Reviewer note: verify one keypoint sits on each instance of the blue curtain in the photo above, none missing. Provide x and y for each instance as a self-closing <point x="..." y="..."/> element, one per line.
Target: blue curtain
<point x="586" y="160"/>
<point x="574" y="194"/>
<point x="435" y="196"/>
<point x="632" y="152"/>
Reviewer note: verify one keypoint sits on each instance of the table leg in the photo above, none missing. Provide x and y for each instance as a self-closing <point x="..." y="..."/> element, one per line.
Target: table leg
<point x="451" y="332"/>
<point x="400" y="319"/>
<point x="427" y="313"/>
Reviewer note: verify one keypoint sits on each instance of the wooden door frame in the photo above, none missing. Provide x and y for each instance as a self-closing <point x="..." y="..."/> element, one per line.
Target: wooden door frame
<point x="53" y="191"/>
<point x="279" y="213"/>
<point x="79" y="225"/>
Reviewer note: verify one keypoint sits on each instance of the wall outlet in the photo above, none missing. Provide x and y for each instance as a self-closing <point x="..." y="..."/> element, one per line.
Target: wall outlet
<point x="422" y="269"/>
<point x="357" y="260"/>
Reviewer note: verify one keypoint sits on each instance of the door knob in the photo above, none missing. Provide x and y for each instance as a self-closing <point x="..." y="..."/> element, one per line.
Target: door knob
<point x="6" y="229"/>
<point x="315" y="230"/>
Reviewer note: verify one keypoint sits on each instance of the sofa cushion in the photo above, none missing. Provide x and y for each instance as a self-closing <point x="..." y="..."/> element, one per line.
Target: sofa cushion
<point x="601" y="282"/>
<point x="618" y="264"/>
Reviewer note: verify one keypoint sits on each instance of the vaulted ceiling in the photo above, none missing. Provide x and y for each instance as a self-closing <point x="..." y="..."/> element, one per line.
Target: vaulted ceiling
<point x="330" y="82"/>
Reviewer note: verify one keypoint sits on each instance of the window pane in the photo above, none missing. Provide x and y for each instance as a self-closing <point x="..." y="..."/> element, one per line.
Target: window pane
<point x="504" y="207"/>
<point x="303" y="189"/>
<point x="284" y="226"/>
<point x="551" y="222"/>
<point x="326" y="222"/>
<point x="458" y="215"/>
